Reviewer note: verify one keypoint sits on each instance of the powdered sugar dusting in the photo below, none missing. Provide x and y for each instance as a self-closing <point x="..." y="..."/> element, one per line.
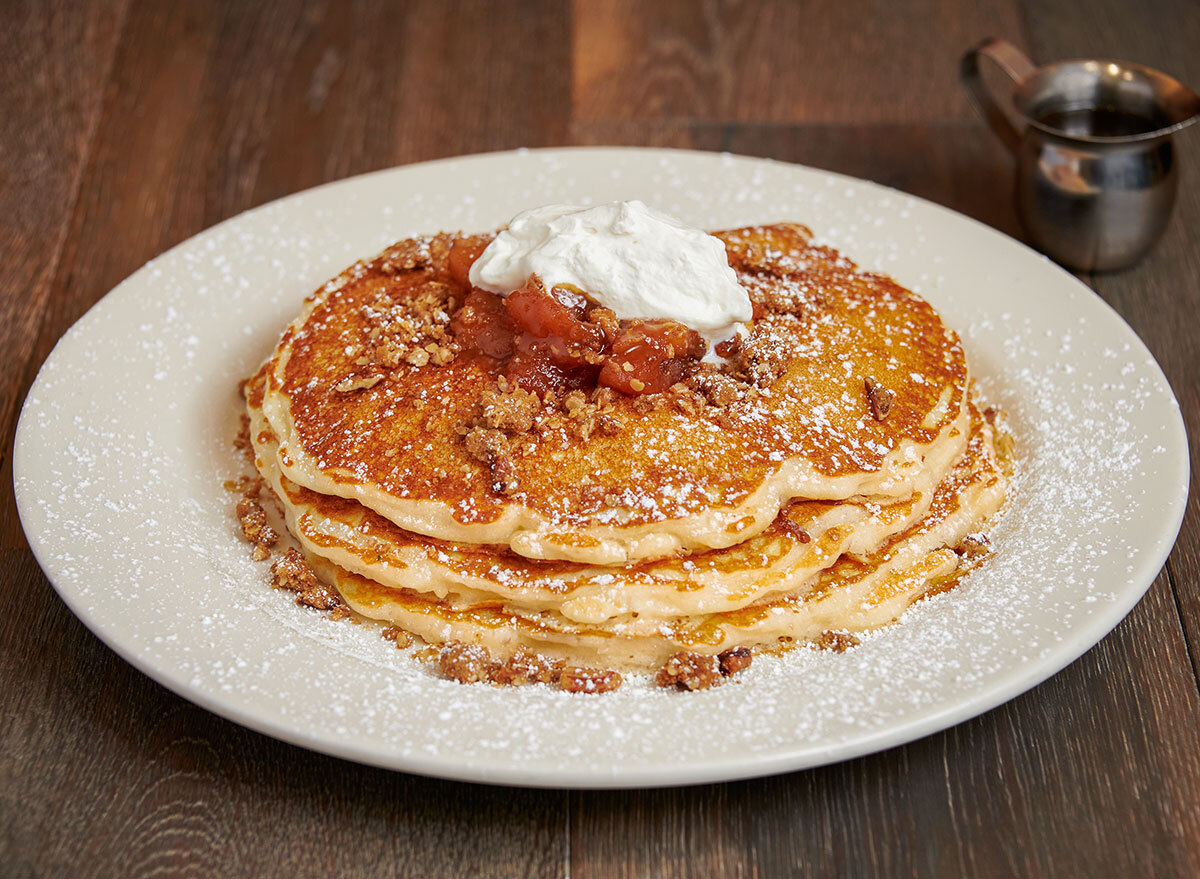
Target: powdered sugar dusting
<point x="124" y="443"/>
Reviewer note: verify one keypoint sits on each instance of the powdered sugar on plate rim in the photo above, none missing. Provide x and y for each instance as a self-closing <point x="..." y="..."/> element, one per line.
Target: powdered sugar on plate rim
<point x="124" y="442"/>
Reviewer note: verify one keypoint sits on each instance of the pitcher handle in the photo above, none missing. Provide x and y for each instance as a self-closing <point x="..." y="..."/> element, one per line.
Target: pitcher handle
<point x="1013" y="62"/>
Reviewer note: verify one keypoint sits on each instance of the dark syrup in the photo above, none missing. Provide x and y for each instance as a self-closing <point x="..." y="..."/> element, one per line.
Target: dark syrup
<point x="1099" y="122"/>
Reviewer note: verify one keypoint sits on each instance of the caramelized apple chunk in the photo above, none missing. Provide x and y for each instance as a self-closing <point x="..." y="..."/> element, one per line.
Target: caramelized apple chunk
<point x="463" y="253"/>
<point x="483" y="324"/>
<point x="535" y="372"/>
<point x="649" y="356"/>
<point x="553" y="324"/>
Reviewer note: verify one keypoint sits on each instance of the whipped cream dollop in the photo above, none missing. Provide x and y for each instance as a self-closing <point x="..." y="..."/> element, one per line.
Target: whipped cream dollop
<point x="625" y="256"/>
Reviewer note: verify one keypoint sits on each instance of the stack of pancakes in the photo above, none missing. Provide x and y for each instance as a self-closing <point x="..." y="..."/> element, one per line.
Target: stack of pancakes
<point x="796" y="504"/>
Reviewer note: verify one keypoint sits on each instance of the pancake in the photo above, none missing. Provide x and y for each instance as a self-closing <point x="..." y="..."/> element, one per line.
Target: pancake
<point x="853" y="595"/>
<point x="806" y="538"/>
<point x="658" y="481"/>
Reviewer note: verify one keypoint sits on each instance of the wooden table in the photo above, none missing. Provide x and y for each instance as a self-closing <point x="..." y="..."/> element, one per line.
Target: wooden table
<point x="128" y="126"/>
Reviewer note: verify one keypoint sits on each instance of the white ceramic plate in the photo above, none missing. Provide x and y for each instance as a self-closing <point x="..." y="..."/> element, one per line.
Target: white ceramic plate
<point x="124" y="442"/>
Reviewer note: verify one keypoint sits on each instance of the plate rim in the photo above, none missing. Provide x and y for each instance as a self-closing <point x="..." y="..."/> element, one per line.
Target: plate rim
<point x="1075" y="643"/>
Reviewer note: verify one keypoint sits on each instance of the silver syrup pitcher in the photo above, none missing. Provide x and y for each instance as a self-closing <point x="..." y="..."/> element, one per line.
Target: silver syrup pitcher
<point x="1096" y="170"/>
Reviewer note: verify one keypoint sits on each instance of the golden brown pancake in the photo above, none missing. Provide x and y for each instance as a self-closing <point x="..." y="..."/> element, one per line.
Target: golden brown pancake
<point x="665" y="481"/>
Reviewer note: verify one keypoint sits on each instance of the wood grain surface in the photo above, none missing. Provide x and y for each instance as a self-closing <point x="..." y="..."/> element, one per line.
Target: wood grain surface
<point x="127" y="126"/>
